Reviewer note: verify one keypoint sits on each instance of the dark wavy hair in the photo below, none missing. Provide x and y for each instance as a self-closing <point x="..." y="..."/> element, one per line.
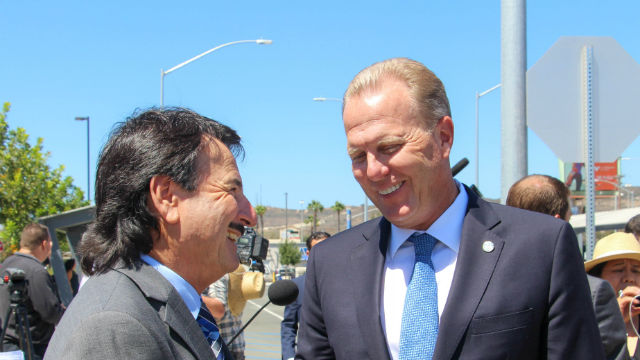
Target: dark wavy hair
<point x="154" y="142"/>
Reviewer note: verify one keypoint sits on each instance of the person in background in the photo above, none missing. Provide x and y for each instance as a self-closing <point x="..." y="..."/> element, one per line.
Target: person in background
<point x="226" y="299"/>
<point x="70" y="266"/>
<point x="548" y="195"/>
<point x="633" y="226"/>
<point x="289" y="324"/>
<point x="169" y="209"/>
<point x="43" y="306"/>
<point x="616" y="259"/>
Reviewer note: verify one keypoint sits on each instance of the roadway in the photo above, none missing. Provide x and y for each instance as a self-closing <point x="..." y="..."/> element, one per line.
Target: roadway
<point x="262" y="336"/>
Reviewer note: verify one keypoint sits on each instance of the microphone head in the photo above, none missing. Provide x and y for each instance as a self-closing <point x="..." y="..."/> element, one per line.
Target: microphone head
<point x="283" y="292"/>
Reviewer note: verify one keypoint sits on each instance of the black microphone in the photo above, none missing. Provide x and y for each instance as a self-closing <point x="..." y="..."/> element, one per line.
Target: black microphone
<point x="281" y="293"/>
<point x="459" y="166"/>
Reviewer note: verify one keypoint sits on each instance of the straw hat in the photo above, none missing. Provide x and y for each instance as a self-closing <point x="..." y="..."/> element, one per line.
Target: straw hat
<point x="244" y="286"/>
<point x="618" y="245"/>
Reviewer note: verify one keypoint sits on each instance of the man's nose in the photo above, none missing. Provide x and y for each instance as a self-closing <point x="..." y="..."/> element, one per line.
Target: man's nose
<point x="376" y="169"/>
<point x="247" y="214"/>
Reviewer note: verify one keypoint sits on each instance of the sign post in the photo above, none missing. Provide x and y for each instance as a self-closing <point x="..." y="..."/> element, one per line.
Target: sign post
<point x="582" y="102"/>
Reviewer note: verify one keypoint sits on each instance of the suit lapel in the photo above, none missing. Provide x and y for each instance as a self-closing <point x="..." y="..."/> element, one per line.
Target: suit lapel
<point x="367" y="265"/>
<point x="474" y="268"/>
<point x="171" y="308"/>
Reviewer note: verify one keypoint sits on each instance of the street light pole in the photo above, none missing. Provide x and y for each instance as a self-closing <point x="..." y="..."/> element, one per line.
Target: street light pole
<point x="286" y="218"/>
<point x="326" y="99"/>
<point x="366" y="199"/>
<point x="301" y="217"/>
<point x="163" y="73"/>
<point x="478" y="96"/>
<point x="86" y="118"/>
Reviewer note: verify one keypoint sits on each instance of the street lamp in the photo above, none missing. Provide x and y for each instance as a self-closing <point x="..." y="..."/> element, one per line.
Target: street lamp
<point x="86" y="118"/>
<point x="326" y="99"/>
<point x="301" y="202"/>
<point x="366" y="199"/>
<point x="478" y="96"/>
<point x="163" y="73"/>
<point x="617" y="186"/>
<point x="286" y="218"/>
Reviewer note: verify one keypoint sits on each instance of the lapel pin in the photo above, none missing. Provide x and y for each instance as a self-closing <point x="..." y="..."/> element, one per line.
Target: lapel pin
<point x="488" y="246"/>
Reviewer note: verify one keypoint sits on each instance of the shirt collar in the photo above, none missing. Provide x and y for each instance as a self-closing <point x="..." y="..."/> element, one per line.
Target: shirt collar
<point x="29" y="256"/>
<point x="188" y="294"/>
<point x="447" y="228"/>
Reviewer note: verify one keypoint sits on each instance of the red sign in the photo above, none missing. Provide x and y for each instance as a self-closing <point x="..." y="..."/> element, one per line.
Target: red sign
<point x="606" y="174"/>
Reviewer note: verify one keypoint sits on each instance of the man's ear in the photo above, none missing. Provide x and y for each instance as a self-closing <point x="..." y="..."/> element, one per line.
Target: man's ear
<point x="163" y="200"/>
<point x="445" y="134"/>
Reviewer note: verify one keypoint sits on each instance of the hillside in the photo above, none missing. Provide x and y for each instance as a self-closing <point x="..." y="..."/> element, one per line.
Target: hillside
<point x="275" y="219"/>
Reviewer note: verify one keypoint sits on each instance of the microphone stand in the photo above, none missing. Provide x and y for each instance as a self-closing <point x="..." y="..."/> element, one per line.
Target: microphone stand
<point x="248" y="322"/>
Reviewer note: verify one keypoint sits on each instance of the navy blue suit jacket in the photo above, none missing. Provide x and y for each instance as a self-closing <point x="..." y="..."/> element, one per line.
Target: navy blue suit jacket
<point x="289" y="325"/>
<point x="527" y="298"/>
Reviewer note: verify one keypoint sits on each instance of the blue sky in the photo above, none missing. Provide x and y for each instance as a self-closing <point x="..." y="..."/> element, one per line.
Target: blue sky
<point x="103" y="59"/>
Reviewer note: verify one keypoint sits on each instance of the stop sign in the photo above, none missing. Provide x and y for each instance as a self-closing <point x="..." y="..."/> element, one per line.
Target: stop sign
<point x="555" y="102"/>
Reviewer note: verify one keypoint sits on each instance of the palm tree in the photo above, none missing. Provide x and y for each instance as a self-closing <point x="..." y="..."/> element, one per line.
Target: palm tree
<point x="315" y="207"/>
<point x="338" y="207"/>
<point x="260" y="210"/>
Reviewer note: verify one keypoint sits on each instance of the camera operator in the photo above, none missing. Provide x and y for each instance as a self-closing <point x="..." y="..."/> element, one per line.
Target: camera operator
<point x="42" y="304"/>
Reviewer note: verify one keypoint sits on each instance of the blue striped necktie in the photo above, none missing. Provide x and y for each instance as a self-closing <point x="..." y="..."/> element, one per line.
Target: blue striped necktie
<point x="210" y="329"/>
<point x="419" y="329"/>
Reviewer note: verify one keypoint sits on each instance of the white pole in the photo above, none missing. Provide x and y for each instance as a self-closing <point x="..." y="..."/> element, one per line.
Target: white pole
<point x="163" y="73"/>
<point x="514" y="68"/>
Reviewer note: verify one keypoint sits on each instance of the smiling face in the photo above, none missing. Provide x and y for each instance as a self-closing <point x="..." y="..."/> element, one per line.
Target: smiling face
<point x="621" y="273"/>
<point x="213" y="216"/>
<point x="402" y="166"/>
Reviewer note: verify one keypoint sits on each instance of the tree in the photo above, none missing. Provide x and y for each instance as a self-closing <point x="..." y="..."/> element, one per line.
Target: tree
<point x="260" y="210"/>
<point x="29" y="188"/>
<point x="289" y="253"/>
<point x="338" y="207"/>
<point x="315" y="207"/>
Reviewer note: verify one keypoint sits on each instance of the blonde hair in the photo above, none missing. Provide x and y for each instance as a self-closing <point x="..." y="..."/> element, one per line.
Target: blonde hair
<point x="427" y="91"/>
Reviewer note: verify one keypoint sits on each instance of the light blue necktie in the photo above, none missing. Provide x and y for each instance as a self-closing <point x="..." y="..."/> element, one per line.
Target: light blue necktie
<point x="211" y="333"/>
<point x="419" y="329"/>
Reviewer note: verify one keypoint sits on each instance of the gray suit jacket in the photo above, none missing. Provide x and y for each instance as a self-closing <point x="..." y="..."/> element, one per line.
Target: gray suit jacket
<point x="128" y="314"/>
<point x="526" y="299"/>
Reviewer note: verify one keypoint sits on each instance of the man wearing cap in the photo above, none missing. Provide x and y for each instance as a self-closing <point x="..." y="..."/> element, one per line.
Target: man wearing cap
<point x="226" y="299"/>
<point x="443" y="274"/>
<point x="548" y="195"/>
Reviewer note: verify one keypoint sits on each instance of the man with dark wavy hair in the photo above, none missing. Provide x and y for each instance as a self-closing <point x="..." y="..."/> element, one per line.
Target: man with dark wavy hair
<point x="169" y="209"/>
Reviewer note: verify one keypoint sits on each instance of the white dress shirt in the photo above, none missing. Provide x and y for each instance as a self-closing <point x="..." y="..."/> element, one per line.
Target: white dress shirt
<point x="400" y="259"/>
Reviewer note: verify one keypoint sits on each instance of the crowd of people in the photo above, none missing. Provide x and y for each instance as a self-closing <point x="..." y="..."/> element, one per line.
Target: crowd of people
<point x="442" y="274"/>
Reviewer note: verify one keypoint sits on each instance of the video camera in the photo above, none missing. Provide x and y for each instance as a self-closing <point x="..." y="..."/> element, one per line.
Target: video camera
<point x="252" y="249"/>
<point x="16" y="280"/>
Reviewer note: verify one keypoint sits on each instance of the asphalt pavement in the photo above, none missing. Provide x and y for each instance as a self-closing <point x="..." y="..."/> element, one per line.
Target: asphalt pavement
<point x="262" y="335"/>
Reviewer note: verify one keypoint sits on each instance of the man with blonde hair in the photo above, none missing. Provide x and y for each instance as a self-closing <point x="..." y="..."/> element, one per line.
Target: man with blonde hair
<point x="443" y="274"/>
